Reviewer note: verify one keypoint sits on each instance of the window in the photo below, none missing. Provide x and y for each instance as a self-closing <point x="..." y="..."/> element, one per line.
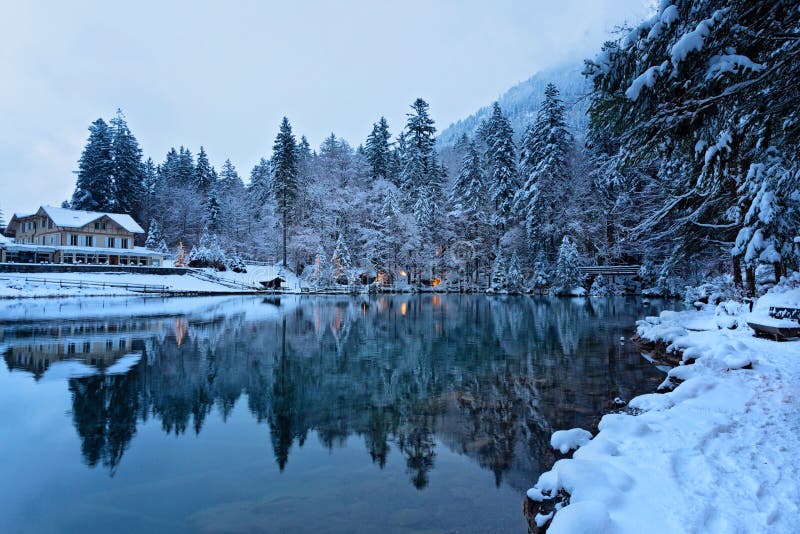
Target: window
<point x="124" y="242"/>
<point x="73" y="240"/>
<point x="89" y="241"/>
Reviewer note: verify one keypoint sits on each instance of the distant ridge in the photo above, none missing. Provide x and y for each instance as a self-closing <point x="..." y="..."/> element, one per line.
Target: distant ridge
<point x="521" y="102"/>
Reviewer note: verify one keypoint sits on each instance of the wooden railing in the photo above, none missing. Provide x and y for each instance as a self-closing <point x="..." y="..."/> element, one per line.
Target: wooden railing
<point x="139" y="288"/>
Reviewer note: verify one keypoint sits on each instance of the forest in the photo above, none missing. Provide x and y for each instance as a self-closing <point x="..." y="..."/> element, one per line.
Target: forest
<point x="688" y="167"/>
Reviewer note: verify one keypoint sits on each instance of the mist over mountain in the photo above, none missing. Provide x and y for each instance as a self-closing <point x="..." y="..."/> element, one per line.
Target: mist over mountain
<point x="521" y="102"/>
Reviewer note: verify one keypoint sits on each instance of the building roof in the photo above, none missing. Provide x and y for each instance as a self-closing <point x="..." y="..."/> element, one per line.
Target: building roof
<point x="4" y="240"/>
<point x="68" y="218"/>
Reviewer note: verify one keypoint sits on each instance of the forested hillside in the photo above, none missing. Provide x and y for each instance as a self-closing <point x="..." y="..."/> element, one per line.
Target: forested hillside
<point x="687" y="165"/>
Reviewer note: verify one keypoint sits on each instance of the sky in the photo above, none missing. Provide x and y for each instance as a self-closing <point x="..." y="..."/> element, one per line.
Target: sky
<point x="222" y="74"/>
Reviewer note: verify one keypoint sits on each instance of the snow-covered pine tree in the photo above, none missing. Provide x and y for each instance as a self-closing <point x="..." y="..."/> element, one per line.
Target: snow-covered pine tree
<point x="684" y="94"/>
<point x="501" y="162"/>
<point x="128" y="167"/>
<point x="378" y="149"/>
<point x="155" y="240"/>
<point x="468" y="188"/>
<point x="599" y="287"/>
<point x="203" y="173"/>
<point x="2" y="222"/>
<point x="213" y="214"/>
<point x="419" y="156"/>
<point x="499" y="280"/>
<point x="515" y="281"/>
<point x="94" y="190"/>
<point x="185" y="168"/>
<point x="541" y="274"/>
<point x="319" y="274"/>
<point x="567" y="276"/>
<point x="341" y="264"/>
<point x="545" y="169"/>
<point x="284" y="177"/>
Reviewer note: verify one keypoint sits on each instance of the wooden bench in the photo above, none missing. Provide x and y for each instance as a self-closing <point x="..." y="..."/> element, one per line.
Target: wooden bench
<point x="779" y="333"/>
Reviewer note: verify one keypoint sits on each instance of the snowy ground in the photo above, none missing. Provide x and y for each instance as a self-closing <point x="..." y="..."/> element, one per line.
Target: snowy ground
<point x="719" y="452"/>
<point x="15" y="284"/>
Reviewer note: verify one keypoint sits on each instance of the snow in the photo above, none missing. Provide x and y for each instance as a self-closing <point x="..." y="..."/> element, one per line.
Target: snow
<point x="719" y="452"/>
<point x="693" y="41"/>
<point x="567" y="440"/>
<point x="210" y="281"/>
<point x="733" y="63"/>
<point x="646" y="79"/>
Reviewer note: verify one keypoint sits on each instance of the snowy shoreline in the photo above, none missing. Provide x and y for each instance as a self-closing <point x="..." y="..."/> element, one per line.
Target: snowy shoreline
<point x="717" y="449"/>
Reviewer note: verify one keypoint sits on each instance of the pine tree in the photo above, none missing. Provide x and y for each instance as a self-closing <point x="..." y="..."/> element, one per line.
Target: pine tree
<point x="213" y="213"/>
<point x="544" y="164"/>
<point x="468" y="189"/>
<point x="185" y="168"/>
<point x="94" y="190"/>
<point x="155" y="240"/>
<point x="318" y="276"/>
<point x="567" y="277"/>
<point x="378" y="149"/>
<point x="541" y="274"/>
<point x="203" y="173"/>
<point x="128" y="167"/>
<point x="515" y="280"/>
<point x="501" y="162"/>
<point x="418" y="156"/>
<point x="284" y="176"/>
<point x="341" y="265"/>
<point x="2" y="222"/>
<point x="499" y="280"/>
<point x="599" y="288"/>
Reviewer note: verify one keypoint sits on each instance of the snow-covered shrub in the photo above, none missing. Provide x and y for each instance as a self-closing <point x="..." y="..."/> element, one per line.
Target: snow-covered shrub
<point x="716" y="290"/>
<point x="235" y="263"/>
<point x="208" y="253"/>
<point x="730" y="314"/>
<point x="599" y="287"/>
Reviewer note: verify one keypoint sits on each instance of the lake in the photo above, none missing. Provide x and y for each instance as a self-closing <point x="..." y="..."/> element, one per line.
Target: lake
<point x="403" y="413"/>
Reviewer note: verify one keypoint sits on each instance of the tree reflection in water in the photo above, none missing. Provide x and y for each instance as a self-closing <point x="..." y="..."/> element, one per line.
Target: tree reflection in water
<point x="489" y="378"/>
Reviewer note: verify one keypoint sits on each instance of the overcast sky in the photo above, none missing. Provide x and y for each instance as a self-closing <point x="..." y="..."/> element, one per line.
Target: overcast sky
<point x="222" y="74"/>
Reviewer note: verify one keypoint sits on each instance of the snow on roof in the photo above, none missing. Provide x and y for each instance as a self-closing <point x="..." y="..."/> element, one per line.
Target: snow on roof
<point x="4" y="240"/>
<point x="75" y="218"/>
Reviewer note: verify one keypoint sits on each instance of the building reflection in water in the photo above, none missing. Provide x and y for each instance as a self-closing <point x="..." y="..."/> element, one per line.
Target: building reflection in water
<point x="488" y="378"/>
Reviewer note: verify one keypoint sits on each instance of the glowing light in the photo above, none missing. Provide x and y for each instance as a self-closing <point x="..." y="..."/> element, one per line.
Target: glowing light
<point x="403" y="308"/>
<point x="403" y="273"/>
<point x="436" y="281"/>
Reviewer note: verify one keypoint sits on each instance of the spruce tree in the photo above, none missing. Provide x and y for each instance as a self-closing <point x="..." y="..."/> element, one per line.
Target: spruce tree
<point x="129" y="170"/>
<point x="544" y="164"/>
<point x="567" y="273"/>
<point x="284" y="176"/>
<point x="499" y="280"/>
<point x="341" y="264"/>
<point x="94" y="190"/>
<point x="155" y="240"/>
<point x="213" y="213"/>
<point x="203" y="173"/>
<point x="378" y="149"/>
<point x="468" y="189"/>
<point x="515" y="281"/>
<point x="419" y="168"/>
<point x="501" y="162"/>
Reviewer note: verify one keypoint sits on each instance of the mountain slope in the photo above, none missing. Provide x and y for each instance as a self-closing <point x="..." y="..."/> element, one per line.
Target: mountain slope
<point x="521" y="102"/>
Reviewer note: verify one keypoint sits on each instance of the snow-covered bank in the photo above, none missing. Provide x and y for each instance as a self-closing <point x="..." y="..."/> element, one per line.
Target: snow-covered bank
<point x="718" y="452"/>
<point x="19" y="285"/>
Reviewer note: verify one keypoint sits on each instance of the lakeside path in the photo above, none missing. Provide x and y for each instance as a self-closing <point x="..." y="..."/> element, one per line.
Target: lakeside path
<point x="719" y="451"/>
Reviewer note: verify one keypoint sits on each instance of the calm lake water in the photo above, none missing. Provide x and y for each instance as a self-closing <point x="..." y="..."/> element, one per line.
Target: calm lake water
<point x="412" y="413"/>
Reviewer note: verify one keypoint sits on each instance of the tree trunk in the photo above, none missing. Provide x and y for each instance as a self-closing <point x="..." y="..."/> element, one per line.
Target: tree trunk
<point x="737" y="272"/>
<point x="750" y="275"/>
<point x="778" y="271"/>
<point x="284" y="238"/>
